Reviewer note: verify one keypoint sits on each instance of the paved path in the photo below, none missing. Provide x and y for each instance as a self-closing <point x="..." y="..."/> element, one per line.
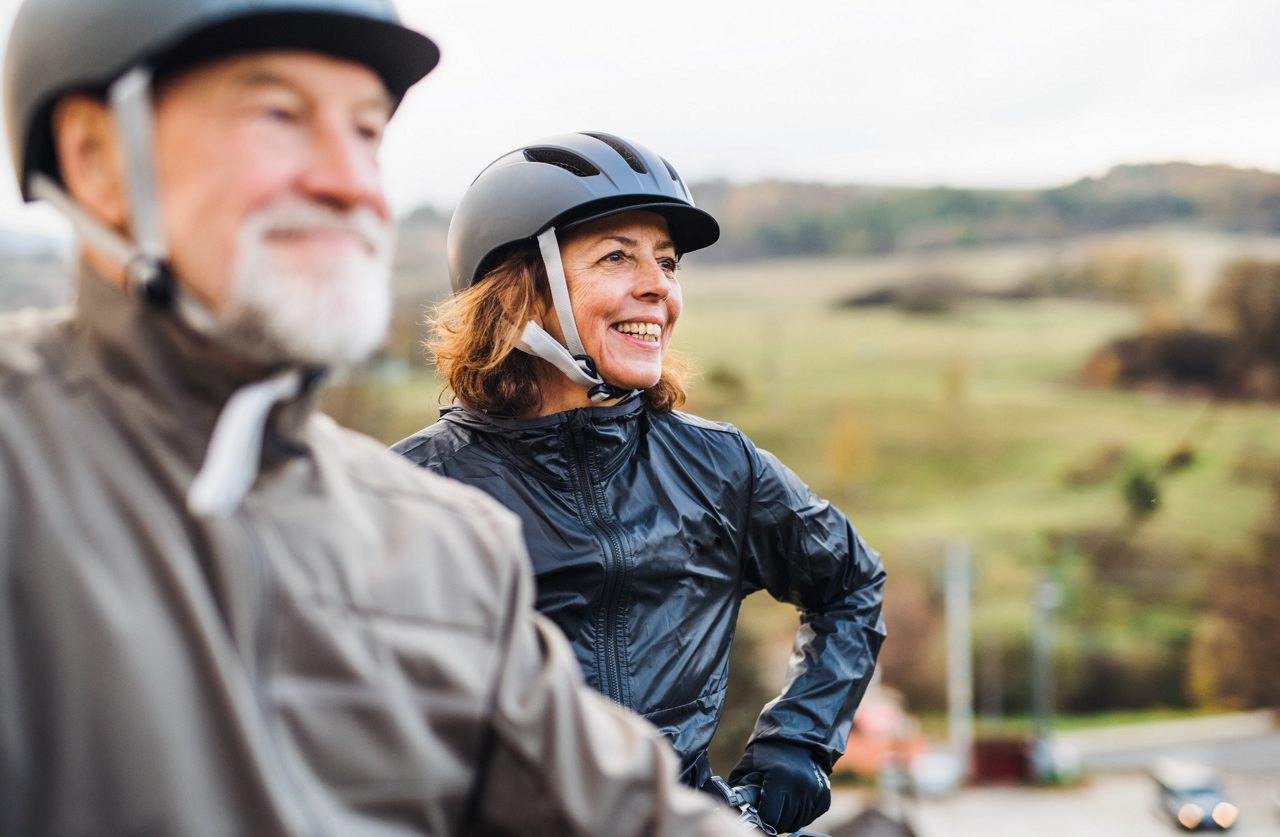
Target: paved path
<point x="1113" y="805"/>
<point x="1121" y="804"/>
<point x="1241" y="741"/>
<point x="1118" y="798"/>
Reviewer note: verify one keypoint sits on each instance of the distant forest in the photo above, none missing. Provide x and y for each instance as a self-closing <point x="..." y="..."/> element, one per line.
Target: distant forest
<point x="776" y="219"/>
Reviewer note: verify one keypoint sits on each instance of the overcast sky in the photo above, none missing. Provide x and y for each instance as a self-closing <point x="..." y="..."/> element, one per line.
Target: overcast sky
<point x="955" y="92"/>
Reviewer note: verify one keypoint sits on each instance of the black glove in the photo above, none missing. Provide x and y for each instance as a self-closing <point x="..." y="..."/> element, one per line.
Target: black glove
<point x="794" y="790"/>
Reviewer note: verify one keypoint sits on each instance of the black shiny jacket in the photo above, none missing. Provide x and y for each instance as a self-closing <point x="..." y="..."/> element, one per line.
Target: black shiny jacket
<point x="646" y="531"/>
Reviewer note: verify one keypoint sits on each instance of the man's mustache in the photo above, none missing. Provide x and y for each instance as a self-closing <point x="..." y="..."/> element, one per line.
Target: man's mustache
<point x="298" y="217"/>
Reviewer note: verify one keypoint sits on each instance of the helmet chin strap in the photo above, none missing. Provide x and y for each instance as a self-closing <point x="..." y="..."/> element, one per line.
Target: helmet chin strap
<point x="231" y="460"/>
<point x="130" y="97"/>
<point x="144" y="258"/>
<point x="571" y="359"/>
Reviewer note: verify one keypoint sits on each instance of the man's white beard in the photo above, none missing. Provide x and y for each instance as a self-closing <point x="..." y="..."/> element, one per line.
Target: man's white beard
<point x="333" y="313"/>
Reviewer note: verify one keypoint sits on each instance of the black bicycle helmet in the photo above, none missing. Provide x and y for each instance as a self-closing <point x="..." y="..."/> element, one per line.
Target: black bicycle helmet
<point x="561" y="182"/>
<point x="535" y="192"/>
<point x="60" y="46"/>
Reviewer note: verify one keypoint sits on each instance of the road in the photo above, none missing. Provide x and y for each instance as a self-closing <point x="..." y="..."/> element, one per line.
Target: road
<point x="1117" y="798"/>
<point x="1119" y="804"/>
<point x="1108" y="805"/>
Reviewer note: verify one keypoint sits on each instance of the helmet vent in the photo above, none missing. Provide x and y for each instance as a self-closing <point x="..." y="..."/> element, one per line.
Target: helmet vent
<point x="624" y="151"/>
<point x="671" y="171"/>
<point x="567" y="160"/>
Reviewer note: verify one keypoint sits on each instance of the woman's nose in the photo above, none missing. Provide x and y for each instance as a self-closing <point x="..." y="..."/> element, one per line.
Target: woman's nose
<point x="654" y="280"/>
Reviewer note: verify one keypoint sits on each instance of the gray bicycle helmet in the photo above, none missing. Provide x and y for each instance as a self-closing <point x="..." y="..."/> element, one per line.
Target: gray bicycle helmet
<point x="561" y="182"/>
<point x="60" y="46"/>
<point x="556" y="184"/>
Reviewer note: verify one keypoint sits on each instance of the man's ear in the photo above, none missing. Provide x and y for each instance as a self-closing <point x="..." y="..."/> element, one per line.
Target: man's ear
<point x="90" y="159"/>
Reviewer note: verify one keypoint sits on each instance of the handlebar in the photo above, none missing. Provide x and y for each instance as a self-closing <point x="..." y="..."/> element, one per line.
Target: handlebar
<point x="746" y="799"/>
<point x="747" y="795"/>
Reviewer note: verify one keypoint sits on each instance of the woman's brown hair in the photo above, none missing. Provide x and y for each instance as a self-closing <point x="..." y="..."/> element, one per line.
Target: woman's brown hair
<point x="473" y="340"/>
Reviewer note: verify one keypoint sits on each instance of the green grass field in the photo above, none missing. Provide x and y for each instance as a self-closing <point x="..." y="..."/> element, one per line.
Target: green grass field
<point x="961" y="425"/>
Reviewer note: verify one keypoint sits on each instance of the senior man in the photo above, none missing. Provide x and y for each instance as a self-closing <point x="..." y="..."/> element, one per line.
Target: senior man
<point x="221" y="614"/>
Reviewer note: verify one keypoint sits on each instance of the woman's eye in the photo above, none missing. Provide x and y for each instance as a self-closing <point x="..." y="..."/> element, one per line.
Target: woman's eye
<point x="669" y="265"/>
<point x="616" y="257"/>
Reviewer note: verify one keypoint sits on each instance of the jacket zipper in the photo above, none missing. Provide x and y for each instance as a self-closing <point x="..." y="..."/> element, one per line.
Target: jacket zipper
<point x="609" y="619"/>
<point x="265" y="593"/>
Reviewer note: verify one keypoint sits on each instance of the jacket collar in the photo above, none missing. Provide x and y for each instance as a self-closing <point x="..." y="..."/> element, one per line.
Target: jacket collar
<point x="169" y="375"/>
<point x="556" y="446"/>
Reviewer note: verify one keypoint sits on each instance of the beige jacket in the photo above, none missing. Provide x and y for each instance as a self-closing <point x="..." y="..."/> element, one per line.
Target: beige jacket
<point x="352" y="653"/>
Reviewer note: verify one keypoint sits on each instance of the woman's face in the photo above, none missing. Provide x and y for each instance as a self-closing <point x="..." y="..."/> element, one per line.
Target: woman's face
<point x="621" y="272"/>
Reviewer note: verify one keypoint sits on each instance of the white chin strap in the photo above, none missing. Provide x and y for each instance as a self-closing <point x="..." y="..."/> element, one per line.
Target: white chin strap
<point x="231" y="460"/>
<point x="573" y="361"/>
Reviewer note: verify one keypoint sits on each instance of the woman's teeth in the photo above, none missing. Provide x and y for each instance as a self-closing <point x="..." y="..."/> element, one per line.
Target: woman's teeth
<point x="644" y="331"/>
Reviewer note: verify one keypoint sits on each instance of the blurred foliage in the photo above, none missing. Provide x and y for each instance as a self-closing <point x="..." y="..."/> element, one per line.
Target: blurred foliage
<point x="1141" y="493"/>
<point x="1116" y="274"/>
<point x="914" y="659"/>
<point x="1235" y="656"/>
<point x="1099" y="467"/>
<point x="923" y="293"/>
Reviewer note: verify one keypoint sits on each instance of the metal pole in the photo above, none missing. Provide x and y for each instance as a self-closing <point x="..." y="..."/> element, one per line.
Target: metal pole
<point x="1047" y="597"/>
<point x="959" y="653"/>
<point x="991" y="692"/>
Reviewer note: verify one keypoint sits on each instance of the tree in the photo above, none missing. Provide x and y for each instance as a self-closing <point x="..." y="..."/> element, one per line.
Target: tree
<point x="1235" y="655"/>
<point x="1246" y="301"/>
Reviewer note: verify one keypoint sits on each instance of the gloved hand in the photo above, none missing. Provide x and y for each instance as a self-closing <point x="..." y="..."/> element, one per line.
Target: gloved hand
<point x="794" y="790"/>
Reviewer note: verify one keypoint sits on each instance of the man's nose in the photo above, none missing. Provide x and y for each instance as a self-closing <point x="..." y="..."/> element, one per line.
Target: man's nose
<point x="342" y="170"/>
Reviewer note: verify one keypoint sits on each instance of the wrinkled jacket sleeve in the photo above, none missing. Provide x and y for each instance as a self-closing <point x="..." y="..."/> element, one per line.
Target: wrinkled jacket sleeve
<point x="563" y="760"/>
<point x="802" y="550"/>
<point x="14" y="749"/>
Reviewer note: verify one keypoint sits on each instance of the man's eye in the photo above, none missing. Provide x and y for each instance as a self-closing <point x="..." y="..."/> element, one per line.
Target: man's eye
<point x="616" y="257"/>
<point x="280" y="114"/>
<point x="670" y="265"/>
<point x="370" y="132"/>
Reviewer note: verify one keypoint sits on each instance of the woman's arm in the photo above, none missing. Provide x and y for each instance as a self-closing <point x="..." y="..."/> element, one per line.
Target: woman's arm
<point x="804" y="551"/>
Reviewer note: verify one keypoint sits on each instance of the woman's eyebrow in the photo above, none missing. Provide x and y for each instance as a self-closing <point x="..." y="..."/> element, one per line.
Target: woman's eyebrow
<point x="631" y="242"/>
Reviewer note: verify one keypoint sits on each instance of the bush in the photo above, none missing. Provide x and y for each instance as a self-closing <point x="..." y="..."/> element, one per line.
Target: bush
<point x="1237" y="357"/>
<point x="1245" y="302"/>
<point x="925" y="293"/>
<point x="1189" y="360"/>
<point x="1134" y="276"/>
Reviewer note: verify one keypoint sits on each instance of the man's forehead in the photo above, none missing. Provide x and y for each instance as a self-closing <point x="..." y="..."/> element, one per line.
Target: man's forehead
<point x="306" y="71"/>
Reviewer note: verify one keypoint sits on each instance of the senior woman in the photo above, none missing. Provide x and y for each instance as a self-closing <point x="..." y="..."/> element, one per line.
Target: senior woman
<point x="646" y="526"/>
